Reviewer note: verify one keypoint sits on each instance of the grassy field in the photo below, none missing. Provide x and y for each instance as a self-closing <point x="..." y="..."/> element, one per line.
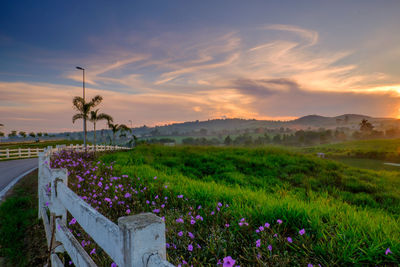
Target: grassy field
<point x="351" y="215"/>
<point x="382" y="149"/>
<point x="22" y="237"/>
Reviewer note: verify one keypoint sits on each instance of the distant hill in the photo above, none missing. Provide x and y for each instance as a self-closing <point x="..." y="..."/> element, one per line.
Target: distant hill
<point x="235" y="125"/>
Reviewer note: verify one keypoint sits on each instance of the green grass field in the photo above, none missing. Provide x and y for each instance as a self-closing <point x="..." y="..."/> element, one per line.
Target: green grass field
<point x="382" y="149"/>
<point x="350" y="214"/>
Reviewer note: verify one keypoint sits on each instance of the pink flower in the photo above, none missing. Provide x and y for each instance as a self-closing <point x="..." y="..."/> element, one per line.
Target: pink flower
<point x="228" y="262"/>
<point x="388" y="251"/>
<point x="279" y="221"/>
<point x="190" y="235"/>
<point x="266" y="225"/>
<point x="302" y="232"/>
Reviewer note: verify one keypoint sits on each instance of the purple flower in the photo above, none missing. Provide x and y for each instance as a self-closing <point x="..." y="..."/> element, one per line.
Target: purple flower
<point x="261" y="228"/>
<point x="219" y="204"/>
<point x="155" y="177"/>
<point x="302" y="232"/>
<point x="289" y="239"/>
<point x="266" y="225"/>
<point x="192" y="221"/>
<point x="309" y="265"/>
<point x="227" y="225"/>
<point x="127" y="195"/>
<point x="180" y="196"/>
<point x="269" y="247"/>
<point x="228" y="262"/>
<point x="258" y="243"/>
<point x="190" y="235"/>
<point x="107" y="199"/>
<point x="279" y="221"/>
<point x="73" y="221"/>
<point x="93" y="251"/>
<point x="388" y="251"/>
<point x="190" y="247"/>
<point x="156" y="210"/>
<point x="113" y="264"/>
<point x="180" y="233"/>
<point x="128" y="211"/>
<point x="179" y="220"/>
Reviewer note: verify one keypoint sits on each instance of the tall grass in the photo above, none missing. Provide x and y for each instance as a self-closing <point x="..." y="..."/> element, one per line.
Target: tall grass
<point x="351" y="215"/>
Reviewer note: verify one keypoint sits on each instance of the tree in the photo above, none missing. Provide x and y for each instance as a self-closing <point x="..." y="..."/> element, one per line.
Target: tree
<point x="94" y="118"/>
<point x="84" y="109"/>
<point x="22" y="133"/>
<point x="39" y="134"/>
<point x="32" y="134"/>
<point x="12" y="134"/>
<point x="228" y="140"/>
<point x="366" y="127"/>
<point x="116" y="128"/>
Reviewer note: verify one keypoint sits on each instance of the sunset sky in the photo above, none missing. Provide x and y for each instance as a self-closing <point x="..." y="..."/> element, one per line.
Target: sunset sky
<point x="158" y="62"/>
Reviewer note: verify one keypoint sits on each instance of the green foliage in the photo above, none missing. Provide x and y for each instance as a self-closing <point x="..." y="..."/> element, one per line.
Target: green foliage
<point x="352" y="215"/>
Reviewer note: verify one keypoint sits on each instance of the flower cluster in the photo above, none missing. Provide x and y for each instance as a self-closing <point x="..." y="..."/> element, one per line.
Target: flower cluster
<point x="196" y="233"/>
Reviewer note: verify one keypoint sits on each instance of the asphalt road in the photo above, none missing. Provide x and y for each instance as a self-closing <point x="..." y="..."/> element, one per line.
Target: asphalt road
<point x="11" y="169"/>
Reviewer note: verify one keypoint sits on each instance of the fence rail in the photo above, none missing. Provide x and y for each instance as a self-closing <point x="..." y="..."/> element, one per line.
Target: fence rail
<point x="137" y="240"/>
<point x="20" y="153"/>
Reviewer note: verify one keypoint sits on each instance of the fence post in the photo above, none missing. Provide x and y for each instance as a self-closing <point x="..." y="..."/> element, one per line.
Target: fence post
<point x="37" y="151"/>
<point x="142" y="235"/>
<point x="19" y="152"/>
<point x="8" y="153"/>
<point x="42" y="159"/>
<point x="29" y="152"/>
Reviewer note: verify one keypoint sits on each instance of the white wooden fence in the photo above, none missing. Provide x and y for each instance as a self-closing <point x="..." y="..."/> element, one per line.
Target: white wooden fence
<point x="137" y="240"/>
<point x="20" y="153"/>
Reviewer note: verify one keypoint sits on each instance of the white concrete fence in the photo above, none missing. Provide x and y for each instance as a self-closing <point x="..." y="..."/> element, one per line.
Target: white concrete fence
<point x="20" y="153"/>
<point x="137" y="240"/>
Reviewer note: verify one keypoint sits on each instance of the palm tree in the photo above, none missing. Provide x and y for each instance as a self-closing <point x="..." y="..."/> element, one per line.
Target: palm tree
<point x="116" y="128"/>
<point x="84" y="109"/>
<point x="95" y="117"/>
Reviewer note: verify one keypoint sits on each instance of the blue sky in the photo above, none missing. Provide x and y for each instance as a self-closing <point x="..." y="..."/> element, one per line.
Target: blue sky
<point x="158" y="62"/>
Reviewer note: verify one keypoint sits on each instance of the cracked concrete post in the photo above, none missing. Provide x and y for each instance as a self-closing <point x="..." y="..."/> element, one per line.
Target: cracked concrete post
<point x="142" y="235"/>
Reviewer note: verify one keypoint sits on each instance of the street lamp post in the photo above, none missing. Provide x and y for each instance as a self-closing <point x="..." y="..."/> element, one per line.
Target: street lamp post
<point x="84" y="118"/>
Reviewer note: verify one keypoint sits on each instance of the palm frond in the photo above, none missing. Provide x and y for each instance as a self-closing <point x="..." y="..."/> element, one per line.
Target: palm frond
<point x="78" y="103"/>
<point x="77" y="117"/>
<point x="104" y="116"/>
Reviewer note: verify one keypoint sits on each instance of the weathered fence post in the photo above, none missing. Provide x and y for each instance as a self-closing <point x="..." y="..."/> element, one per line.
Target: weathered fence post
<point x="7" y="153"/>
<point x="143" y="235"/>
<point x="29" y="152"/>
<point x="19" y="152"/>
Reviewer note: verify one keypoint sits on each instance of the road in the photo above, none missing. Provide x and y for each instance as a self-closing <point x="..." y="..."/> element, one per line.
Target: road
<point x="11" y="169"/>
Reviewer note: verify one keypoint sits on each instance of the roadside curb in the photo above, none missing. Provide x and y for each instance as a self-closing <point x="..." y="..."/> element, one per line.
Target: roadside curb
<point x="13" y="182"/>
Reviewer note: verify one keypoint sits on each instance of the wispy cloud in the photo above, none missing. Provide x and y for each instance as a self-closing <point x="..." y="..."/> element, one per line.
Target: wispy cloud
<point x="175" y="77"/>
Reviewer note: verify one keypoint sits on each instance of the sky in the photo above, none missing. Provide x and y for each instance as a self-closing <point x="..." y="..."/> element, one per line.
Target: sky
<point x="160" y="62"/>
